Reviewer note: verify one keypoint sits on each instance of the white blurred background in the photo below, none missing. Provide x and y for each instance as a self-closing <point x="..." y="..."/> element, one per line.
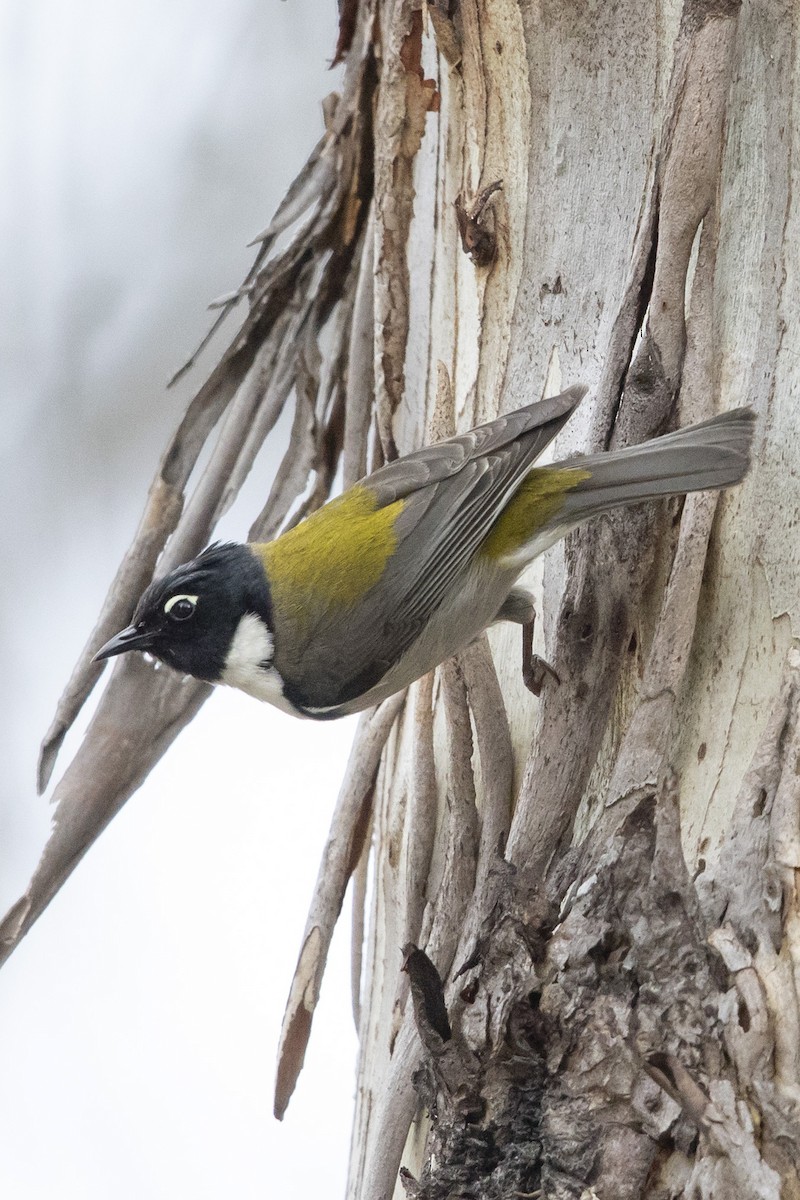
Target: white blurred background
<point x="142" y="146"/>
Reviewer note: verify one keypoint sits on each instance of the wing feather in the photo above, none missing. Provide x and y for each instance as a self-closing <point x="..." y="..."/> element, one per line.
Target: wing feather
<point x="433" y="464"/>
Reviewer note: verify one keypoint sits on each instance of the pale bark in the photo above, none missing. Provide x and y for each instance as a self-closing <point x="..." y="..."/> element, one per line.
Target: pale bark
<point x="628" y="1024"/>
<point x="603" y="880"/>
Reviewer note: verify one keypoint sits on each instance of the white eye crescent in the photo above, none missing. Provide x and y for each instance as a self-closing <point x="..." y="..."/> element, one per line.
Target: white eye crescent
<point x="180" y="608"/>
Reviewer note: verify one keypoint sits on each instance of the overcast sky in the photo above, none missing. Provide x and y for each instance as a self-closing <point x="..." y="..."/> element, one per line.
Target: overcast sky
<point x="144" y="145"/>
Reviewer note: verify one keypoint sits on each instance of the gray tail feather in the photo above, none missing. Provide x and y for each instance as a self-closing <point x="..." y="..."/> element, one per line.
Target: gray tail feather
<point x="713" y="454"/>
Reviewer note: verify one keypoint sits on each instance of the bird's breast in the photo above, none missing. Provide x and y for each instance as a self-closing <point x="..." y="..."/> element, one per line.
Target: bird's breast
<point x="328" y="562"/>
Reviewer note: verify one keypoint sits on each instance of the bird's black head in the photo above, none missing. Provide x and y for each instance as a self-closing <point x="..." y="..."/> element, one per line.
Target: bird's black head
<point x="188" y="618"/>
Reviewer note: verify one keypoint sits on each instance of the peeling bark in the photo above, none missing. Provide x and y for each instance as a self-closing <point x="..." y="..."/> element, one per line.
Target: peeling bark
<point x="622" y="1026"/>
<point x="292" y="294"/>
<point x="340" y="859"/>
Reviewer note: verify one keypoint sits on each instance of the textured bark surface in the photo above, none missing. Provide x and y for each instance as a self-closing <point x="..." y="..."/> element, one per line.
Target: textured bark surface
<point x="613" y="923"/>
<point x="576" y="919"/>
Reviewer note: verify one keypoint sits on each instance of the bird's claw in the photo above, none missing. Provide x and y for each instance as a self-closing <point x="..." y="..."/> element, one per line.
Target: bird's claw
<point x="534" y="667"/>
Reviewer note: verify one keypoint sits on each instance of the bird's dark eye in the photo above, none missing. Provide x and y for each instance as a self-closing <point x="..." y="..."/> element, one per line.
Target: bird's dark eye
<point x="180" y="608"/>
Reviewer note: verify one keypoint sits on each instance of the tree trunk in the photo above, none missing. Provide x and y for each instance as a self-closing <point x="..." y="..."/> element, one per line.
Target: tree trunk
<point x="607" y="889"/>
<point x="594" y="893"/>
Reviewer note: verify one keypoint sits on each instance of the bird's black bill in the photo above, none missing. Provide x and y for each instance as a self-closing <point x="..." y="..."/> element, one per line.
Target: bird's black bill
<point x="128" y="639"/>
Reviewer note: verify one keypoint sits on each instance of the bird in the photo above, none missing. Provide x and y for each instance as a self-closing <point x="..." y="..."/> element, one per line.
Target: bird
<point x="408" y="566"/>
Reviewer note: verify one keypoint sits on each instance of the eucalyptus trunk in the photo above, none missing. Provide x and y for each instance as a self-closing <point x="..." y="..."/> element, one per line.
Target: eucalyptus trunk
<point x="604" y="879"/>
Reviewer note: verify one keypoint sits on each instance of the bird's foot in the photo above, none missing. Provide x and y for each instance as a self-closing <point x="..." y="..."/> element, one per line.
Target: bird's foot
<point x="535" y="669"/>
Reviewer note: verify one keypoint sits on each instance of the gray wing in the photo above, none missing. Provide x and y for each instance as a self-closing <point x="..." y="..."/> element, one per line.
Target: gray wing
<point x="433" y="464"/>
<point x="454" y="491"/>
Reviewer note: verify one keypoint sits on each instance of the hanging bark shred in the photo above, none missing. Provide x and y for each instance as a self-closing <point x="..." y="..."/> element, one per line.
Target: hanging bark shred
<point x="342" y="853"/>
<point x="292" y="295"/>
<point x="405" y="98"/>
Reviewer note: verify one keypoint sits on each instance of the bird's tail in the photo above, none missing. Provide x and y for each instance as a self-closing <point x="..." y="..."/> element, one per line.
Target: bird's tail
<point x="552" y="500"/>
<point x="713" y="454"/>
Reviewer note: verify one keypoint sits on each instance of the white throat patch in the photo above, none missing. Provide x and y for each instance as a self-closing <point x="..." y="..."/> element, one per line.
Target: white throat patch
<point x="248" y="665"/>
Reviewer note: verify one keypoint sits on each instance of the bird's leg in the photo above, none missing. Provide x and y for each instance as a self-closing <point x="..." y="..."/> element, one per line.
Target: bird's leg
<point x="534" y="667"/>
<point x="518" y="607"/>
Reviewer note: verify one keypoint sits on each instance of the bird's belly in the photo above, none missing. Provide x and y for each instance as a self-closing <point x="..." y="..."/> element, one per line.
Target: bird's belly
<point x="464" y="613"/>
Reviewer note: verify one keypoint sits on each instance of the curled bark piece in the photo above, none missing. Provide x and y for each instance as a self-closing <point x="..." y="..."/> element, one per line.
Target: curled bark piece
<point x="478" y="235"/>
<point x="419" y="830"/>
<point x="420" y="826"/>
<point x="641" y="756"/>
<point x="692" y="154"/>
<point x="381" y="1129"/>
<point x="447" y="911"/>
